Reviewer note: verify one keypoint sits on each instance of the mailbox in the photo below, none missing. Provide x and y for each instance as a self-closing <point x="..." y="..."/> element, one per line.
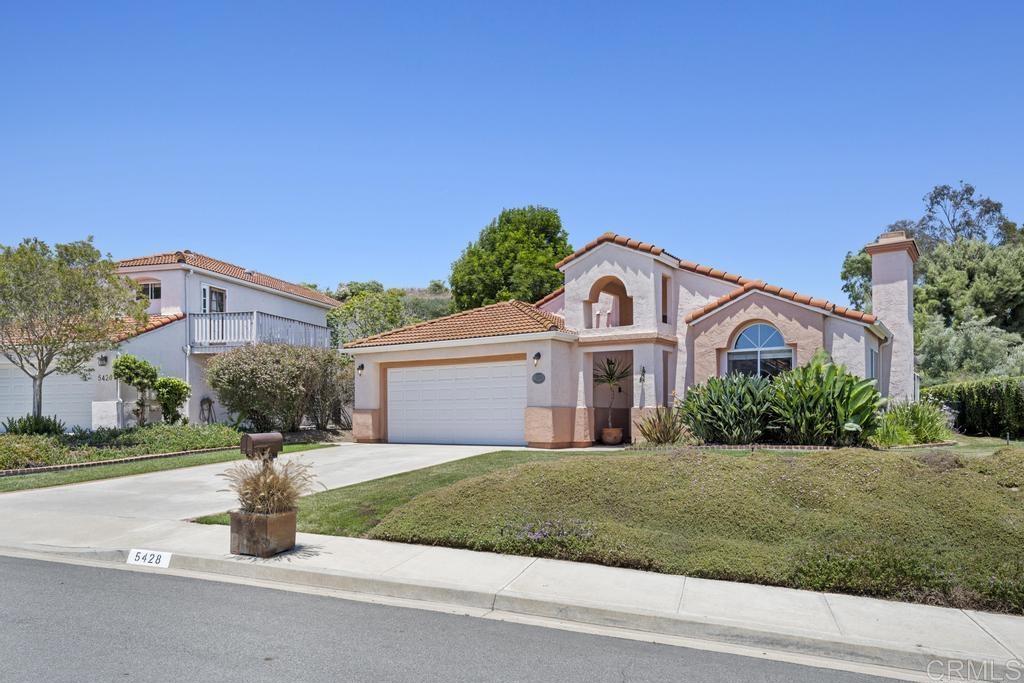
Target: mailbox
<point x="263" y="447"/>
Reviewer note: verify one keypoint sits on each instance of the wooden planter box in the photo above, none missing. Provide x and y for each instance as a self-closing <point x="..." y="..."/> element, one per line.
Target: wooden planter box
<point x="262" y="535"/>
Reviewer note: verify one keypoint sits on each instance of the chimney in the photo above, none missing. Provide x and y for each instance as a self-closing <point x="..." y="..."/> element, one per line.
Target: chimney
<point x="893" y="256"/>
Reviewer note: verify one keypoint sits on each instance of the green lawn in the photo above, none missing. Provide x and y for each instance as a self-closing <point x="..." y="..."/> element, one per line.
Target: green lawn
<point x="44" y="479"/>
<point x="912" y="525"/>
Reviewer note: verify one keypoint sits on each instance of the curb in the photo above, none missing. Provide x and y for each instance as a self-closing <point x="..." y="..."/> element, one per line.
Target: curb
<point x="916" y="659"/>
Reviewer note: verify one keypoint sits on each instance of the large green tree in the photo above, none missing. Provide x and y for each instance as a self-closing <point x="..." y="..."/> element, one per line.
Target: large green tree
<point x="951" y="213"/>
<point x="969" y="279"/>
<point x="367" y="313"/>
<point x="59" y="307"/>
<point x="513" y="258"/>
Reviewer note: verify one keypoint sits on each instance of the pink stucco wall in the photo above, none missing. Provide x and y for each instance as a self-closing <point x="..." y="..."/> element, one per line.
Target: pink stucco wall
<point x="709" y="338"/>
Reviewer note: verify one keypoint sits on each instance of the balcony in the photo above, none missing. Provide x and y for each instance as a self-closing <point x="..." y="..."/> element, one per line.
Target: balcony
<point x="219" y="332"/>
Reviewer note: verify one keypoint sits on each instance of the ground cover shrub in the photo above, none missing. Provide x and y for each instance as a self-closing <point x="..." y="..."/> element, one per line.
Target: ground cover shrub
<point x="30" y="450"/>
<point x="822" y="404"/>
<point x="989" y="407"/>
<point x="32" y="424"/>
<point x="729" y="410"/>
<point x="905" y="423"/>
<point x="892" y="525"/>
<point x="17" y="451"/>
<point x="665" y="426"/>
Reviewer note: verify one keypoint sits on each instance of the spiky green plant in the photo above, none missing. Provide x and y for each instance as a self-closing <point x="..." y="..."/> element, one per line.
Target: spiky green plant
<point x="611" y="373"/>
<point x="823" y="404"/>
<point x="730" y="410"/>
<point x="664" y="426"/>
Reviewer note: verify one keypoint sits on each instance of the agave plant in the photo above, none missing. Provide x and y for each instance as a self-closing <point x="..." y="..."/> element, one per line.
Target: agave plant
<point x="730" y="410"/>
<point x="823" y="404"/>
<point x="611" y="374"/>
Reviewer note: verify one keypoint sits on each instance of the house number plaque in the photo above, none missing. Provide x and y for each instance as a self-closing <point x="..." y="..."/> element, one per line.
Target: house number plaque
<point x="538" y="378"/>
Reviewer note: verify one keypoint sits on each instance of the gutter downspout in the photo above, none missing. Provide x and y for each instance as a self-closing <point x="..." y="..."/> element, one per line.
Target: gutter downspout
<point x="188" y="344"/>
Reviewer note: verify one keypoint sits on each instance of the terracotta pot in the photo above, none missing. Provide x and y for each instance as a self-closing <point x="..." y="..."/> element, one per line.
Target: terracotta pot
<point x="262" y="535"/>
<point x="611" y="436"/>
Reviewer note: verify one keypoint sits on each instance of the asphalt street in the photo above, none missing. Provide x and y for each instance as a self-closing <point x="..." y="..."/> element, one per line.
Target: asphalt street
<point x="63" y="622"/>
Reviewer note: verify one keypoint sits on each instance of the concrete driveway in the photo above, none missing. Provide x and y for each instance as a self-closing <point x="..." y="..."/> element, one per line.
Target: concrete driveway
<point x="194" y="491"/>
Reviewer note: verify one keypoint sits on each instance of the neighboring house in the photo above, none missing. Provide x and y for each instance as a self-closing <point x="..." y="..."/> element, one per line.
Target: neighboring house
<point x="199" y="306"/>
<point x="518" y="373"/>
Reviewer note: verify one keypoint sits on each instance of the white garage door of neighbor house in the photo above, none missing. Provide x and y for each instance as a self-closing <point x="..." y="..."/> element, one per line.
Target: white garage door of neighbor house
<point x="65" y="396"/>
<point x="479" y="403"/>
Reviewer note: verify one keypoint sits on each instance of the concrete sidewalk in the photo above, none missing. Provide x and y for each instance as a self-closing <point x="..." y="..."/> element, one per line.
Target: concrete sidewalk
<point x="916" y="638"/>
<point x="102" y="520"/>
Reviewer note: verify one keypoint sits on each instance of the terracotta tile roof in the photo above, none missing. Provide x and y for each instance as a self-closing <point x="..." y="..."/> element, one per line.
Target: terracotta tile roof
<point x="749" y="286"/>
<point x="503" y="318"/>
<point x="133" y="329"/>
<point x="553" y="295"/>
<point x="191" y="258"/>
<point x="746" y="283"/>
<point x="621" y="240"/>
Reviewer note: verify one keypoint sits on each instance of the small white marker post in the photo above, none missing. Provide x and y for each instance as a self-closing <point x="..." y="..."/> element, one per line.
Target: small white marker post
<point x="149" y="558"/>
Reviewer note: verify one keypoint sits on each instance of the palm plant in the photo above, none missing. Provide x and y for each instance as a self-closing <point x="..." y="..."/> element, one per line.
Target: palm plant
<point x="611" y="374"/>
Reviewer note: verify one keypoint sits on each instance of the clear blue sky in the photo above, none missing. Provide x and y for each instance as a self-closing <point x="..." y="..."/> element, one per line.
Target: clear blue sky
<point x="337" y="141"/>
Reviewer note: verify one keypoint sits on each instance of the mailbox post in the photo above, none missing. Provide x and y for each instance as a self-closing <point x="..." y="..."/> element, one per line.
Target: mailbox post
<point x="263" y="447"/>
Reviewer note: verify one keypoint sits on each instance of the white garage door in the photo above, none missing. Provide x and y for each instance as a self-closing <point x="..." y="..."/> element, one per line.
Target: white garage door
<point x="65" y="396"/>
<point x="480" y="403"/>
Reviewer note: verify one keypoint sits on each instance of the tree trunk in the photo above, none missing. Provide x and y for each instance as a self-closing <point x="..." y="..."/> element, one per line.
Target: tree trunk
<point x="37" y="396"/>
<point x="611" y="404"/>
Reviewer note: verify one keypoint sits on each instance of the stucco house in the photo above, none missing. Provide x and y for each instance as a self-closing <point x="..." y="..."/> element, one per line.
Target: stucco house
<point x="198" y="306"/>
<point x="519" y="373"/>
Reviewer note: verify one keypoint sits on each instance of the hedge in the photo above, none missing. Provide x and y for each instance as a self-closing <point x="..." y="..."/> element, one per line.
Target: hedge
<point x="989" y="407"/>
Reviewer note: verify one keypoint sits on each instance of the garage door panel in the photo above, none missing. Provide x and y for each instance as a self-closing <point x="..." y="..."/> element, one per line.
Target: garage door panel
<point x="66" y="396"/>
<point x="479" y="403"/>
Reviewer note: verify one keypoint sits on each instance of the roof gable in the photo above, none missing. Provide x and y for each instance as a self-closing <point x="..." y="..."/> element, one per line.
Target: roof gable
<point x="785" y="294"/>
<point x="230" y="270"/>
<point x="496" y="320"/>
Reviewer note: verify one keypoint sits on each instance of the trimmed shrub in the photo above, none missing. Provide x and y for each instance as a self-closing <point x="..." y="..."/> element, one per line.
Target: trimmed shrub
<point x="664" y="426"/>
<point x="735" y="409"/>
<point x="30" y="424"/>
<point x="904" y="424"/>
<point x="261" y="384"/>
<point x="139" y="374"/>
<point x="821" y="404"/>
<point x="171" y="394"/>
<point x="989" y="407"/>
<point x="273" y="386"/>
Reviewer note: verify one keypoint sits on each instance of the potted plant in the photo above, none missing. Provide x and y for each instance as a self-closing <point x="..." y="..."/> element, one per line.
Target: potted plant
<point x="268" y="493"/>
<point x="611" y="374"/>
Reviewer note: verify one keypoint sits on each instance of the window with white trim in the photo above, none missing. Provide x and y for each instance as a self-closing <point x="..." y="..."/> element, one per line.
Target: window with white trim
<point x="872" y="364"/>
<point x="761" y="351"/>
<point x="150" y="290"/>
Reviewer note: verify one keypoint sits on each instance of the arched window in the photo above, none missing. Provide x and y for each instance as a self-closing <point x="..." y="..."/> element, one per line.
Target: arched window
<point x="760" y="350"/>
<point x="609" y="305"/>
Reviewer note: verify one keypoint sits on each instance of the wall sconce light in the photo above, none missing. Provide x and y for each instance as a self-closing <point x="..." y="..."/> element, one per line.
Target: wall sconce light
<point x="536" y="358"/>
<point x="643" y="373"/>
<point x="359" y="369"/>
<point x="102" y="361"/>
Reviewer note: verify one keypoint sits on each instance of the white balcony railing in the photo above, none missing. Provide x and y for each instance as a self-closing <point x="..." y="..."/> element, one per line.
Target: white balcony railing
<point x="214" y="331"/>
